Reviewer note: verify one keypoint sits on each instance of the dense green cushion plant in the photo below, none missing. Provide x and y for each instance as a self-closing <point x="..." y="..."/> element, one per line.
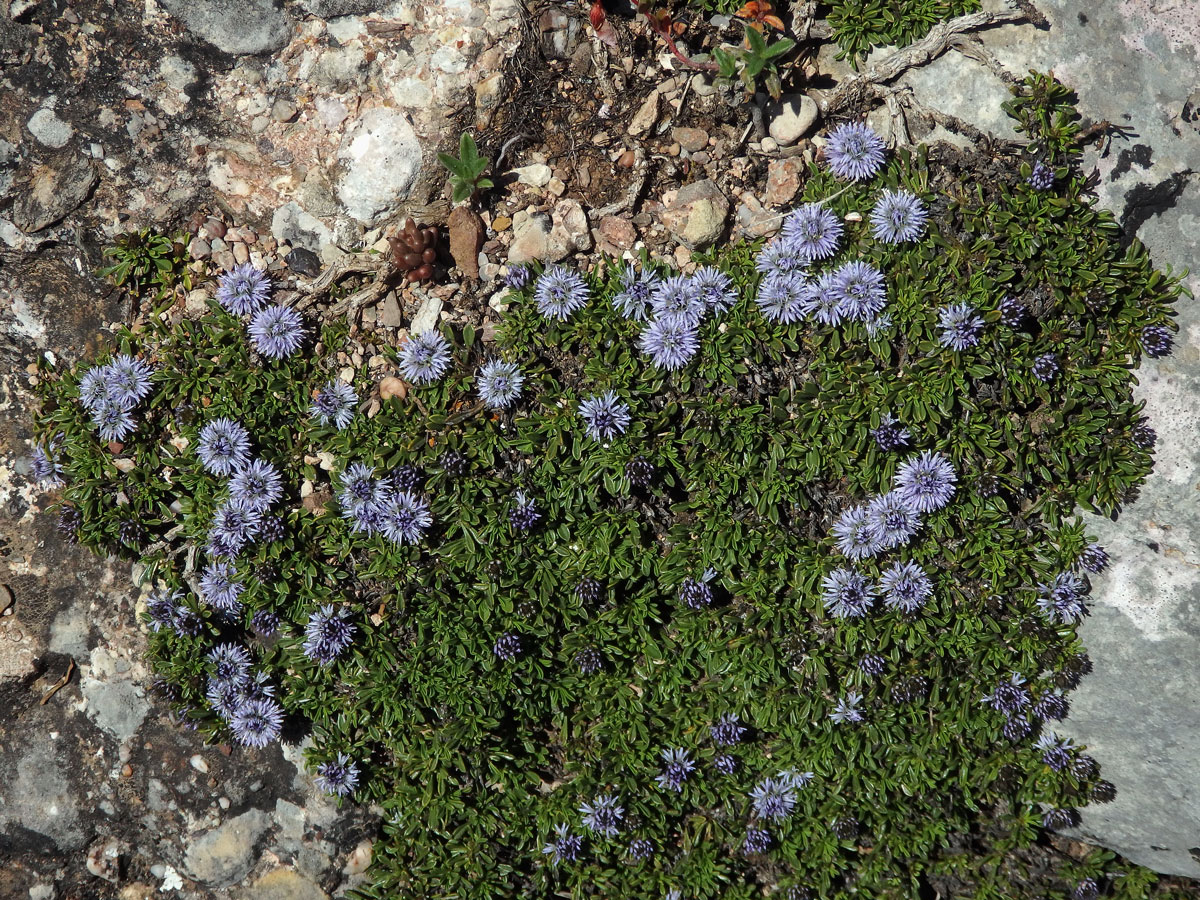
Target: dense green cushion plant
<point x="507" y="677"/>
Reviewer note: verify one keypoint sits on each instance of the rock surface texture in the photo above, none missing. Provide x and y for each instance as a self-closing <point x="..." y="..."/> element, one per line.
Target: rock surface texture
<point x="1133" y="63"/>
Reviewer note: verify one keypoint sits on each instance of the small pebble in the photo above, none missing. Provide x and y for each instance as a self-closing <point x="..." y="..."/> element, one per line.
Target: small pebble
<point x="199" y="764"/>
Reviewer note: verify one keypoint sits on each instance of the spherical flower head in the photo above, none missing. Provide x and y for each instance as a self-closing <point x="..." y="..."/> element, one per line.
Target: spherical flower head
<point x="639" y="471"/>
<point x="114" y="423"/>
<point x="669" y="344"/>
<point x="813" y="232"/>
<point x="715" y="288"/>
<point x="1056" y="751"/>
<point x="69" y="520"/>
<point x="696" y="593"/>
<point x="425" y="357"/>
<point x="406" y="477"/>
<point x="517" y="277"/>
<point x="560" y="293"/>
<point x="508" y="646"/>
<point x="905" y="587"/>
<point x="781" y="256"/>
<point x="961" y="327"/>
<point x="564" y="846"/>
<point x="1010" y="696"/>
<point x="1017" y="728"/>
<point x="926" y="481"/>
<point x="339" y="776"/>
<point x="94" y="389"/>
<point x="234" y="526"/>
<point x="1088" y="889"/>
<point x="405" y="518"/>
<point x="847" y="709"/>
<point x="524" y="513"/>
<point x="854" y="151"/>
<point x="360" y="488"/>
<point x="1094" y="558"/>
<point x="265" y="623"/>
<point x="257" y="722"/>
<point x="243" y="289"/>
<point x="128" y="381"/>
<point x="1063" y="600"/>
<point x="1052" y="706"/>
<point x="603" y="815"/>
<point x="757" y="840"/>
<point x="847" y="594"/>
<point x="256" y="486"/>
<point x="1084" y="767"/>
<point x="161" y="608"/>
<point x="588" y="590"/>
<point x="891" y="435"/>
<point x="1143" y="435"/>
<point x="1012" y="311"/>
<point x="677" y="765"/>
<point x="220" y="588"/>
<point x="898" y="217"/>
<point x="845" y="827"/>
<point x="231" y="664"/>
<point x="327" y="634"/>
<point x="223" y="446"/>
<point x="1042" y="177"/>
<point x="499" y="383"/>
<point x="187" y="623"/>
<point x="276" y="331"/>
<point x="822" y="300"/>
<point x="632" y="301"/>
<point x="1157" y="341"/>
<point x="223" y="697"/>
<point x="589" y="661"/>
<point x="774" y="799"/>
<point x="677" y="299"/>
<point x="725" y="763"/>
<point x="1060" y="818"/>
<point x="1104" y="792"/>
<point x="1045" y="367"/>
<point x="860" y="290"/>
<point x="335" y="404"/>
<point x="892" y="519"/>
<point x="640" y="849"/>
<point x="727" y="731"/>
<point x="782" y="297"/>
<point x="906" y="690"/>
<point x="46" y="467"/>
<point x="854" y="536"/>
<point x="605" y="416"/>
<point x="872" y="665"/>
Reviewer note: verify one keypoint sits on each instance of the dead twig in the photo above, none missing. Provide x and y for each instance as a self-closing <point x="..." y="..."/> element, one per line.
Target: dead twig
<point x="928" y="48"/>
<point x="600" y="64"/>
<point x="973" y="48"/>
<point x="371" y="293"/>
<point x="641" y="171"/>
<point x="58" y="685"/>
<point x="352" y="264"/>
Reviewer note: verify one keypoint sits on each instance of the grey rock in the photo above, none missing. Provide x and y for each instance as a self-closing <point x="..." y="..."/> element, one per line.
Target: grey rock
<point x="49" y="130"/>
<point x="51" y="191"/>
<point x="117" y="706"/>
<point x="327" y="9"/>
<point x="569" y="233"/>
<point x="427" y="315"/>
<point x="559" y="33"/>
<point x="696" y="217"/>
<point x="531" y="237"/>
<point x="304" y="262"/>
<point x="38" y="795"/>
<point x="224" y="855"/>
<point x="283" y="110"/>
<point x="283" y="884"/>
<point x="291" y="223"/>
<point x="237" y="27"/>
<point x="380" y="158"/>
<point x="792" y="118"/>
<point x="389" y="312"/>
<point x="534" y="174"/>
<point x="177" y="72"/>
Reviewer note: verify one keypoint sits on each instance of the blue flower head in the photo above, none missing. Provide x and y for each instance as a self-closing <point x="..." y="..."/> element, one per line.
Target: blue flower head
<point x="677" y="765"/>
<point x="1045" y="367"/>
<point x="560" y="293"/>
<point x="961" y="327"/>
<point x="339" y="776"/>
<point x="335" y="404"/>
<point x="854" y="151"/>
<point x="605" y="416"/>
<point x="234" y="526"/>
<point x="46" y="467"/>
<point x="257" y="722"/>
<point x="243" y="290"/>
<point x="854" y="535"/>
<point x="1063" y="599"/>
<point x="633" y="299"/>
<point x="128" y="381"/>
<point x="564" y="846"/>
<point x="1157" y="341"/>
<point x="1009" y="697"/>
<point x="781" y="256"/>
<point x="847" y="709"/>
<point x="757" y="840"/>
<point x="774" y="799"/>
<point x="256" y="486"/>
<point x="327" y="634"/>
<point x="425" y="357"/>
<point x="727" y="731"/>
<point x="276" y="331"/>
<point x="114" y="422"/>
<point x="813" y="231"/>
<point x="603" y="815"/>
<point x="678" y="299"/>
<point x="499" y="383"/>
<point x="94" y="389"/>
<point x="823" y="300"/>
<point x="220" y="588"/>
<point x="231" y="664"/>
<point x="517" y="277"/>
<point x="847" y="594"/>
<point x="926" y="481"/>
<point x="893" y="520"/>
<point x="782" y="297"/>
<point x="406" y="517"/>
<point x="524" y="512"/>
<point x="223" y="446"/>
<point x="898" y="217"/>
<point x="905" y="587"/>
<point x="860" y="291"/>
<point x="715" y="288"/>
<point x="1042" y="177"/>
<point x="670" y="344"/>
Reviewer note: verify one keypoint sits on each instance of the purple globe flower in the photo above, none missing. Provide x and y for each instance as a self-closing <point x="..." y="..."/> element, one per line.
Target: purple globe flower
<point x="905" y="587"/>
<point x="128" y="381"/>
<point x="813" y="231"/>
<point x="1045" y="367"/>
<point x="669" y="344"/>
<point x="517" y="277"/>
<point x="508" y="646"/>
<point x="854" y="535"/>
<point x="406" y="477"/>
<point x="1009" y="697"/>
<point x="781" y="256"/>
<point x="1016" y="728"/>
<point x="677" y="299"/>
<point x="860" y="291"/>
<point x="589" y="661"/>
<point x="234" y="526"/>
<point x="822" y="300"/>
<point x="898" y="217"/>
<point x="1060" y="818"/>
<point x="564" y="846"/>
<point x="872" y="665"/>
<point x="782" y="297"/>
<point x="256" y="486"/>
<point x="603" y="815"/>
<point x="1063" y="600"/>
<point x="1157" y="341"/>
<point x="632" y="301"/>
<point x="1052" y="706"/>
<point x="774" y="799"/>
<point x="424" y="358"/>
<point x="327" y="634"/>
<point x="1088" y="889"/>
<point x="891" y="435"/>
<point x="757" y="840"/>
<point x="926" y="481"/>
<point x="231" y="664"/>
<point x="846" y="594"/>
<point x="677" y="765"/>
<point x="256" y="723"/>
<point x="223" y="446"/>
<point x="335" y="404"/>
<point x="640" y="849"/>
<point x="605" y="416"/>
<point x="892" y="520"/>
<point x="1012" y="311"/>
<point x="161" y="609"/>
<point x="524" y="513"/>
<point x="265" y="623"/>
<point x="847" y="709"/>
<point x="220" y="588"/>
<point x="339" y="776"/>
<point x="725" y="763"/>
<point x="360" y="488"/>
<point x="405" y="518"/>
<point x="46" y="467"/>
<point x="727" y="731"/>
<point x="1143" y="435"/>
<point x="854" y="151"/>
<point x="1094" y="558"/>
<point x="696" y="593"/>
<point x="1042" y="177"/>
<point x="961" y="327"/>
<point x="94" y="391"/>
<point x="715" y="288"/>
<point x="560" y="293"/>
<point x="243" y="290"/>
<point x="499" y="383"/>
<point x="276" y="331"/>
<point x="1056" y="751"/>
<point x="114" y="423"/>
